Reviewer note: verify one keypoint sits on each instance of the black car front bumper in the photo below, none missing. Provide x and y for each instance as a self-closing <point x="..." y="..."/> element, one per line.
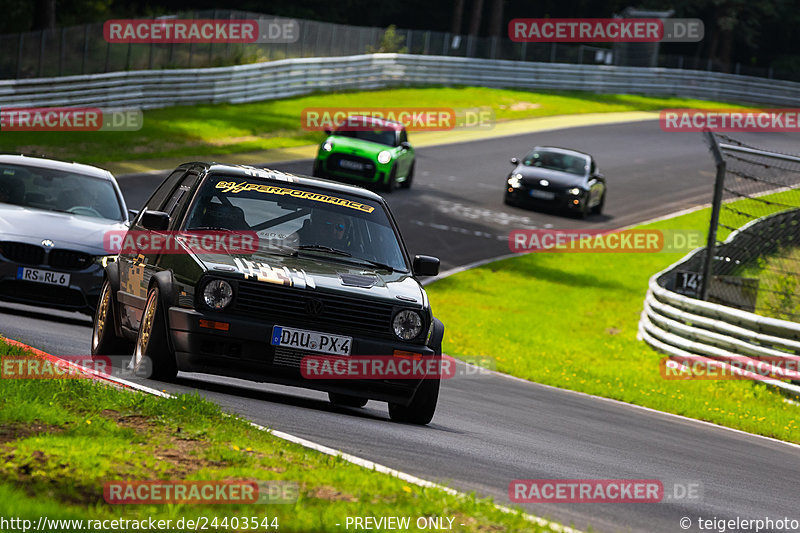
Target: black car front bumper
<point x="244" y="351"/>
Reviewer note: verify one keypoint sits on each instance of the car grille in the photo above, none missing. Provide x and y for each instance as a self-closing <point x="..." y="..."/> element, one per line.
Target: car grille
<point x="288" y="307"/>
<point x="340" y="162"/>
<point x="69" y="259"/>
<point x="30" y="254"/>
<point x="24" y="254"/>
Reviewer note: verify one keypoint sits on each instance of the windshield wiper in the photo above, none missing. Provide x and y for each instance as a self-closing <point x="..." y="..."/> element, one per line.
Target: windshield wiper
<point x="321" y="248"/>
<point x="377" y="264"/>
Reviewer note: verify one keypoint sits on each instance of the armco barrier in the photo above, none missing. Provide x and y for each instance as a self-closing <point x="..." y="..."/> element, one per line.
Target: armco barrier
<point x="293" y="77"/>
<point x="688" y="329"/>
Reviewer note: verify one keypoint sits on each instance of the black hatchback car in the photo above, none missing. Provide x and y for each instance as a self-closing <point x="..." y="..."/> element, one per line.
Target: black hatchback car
<point x="328" y="275"/>
<point x="556" y="178"/>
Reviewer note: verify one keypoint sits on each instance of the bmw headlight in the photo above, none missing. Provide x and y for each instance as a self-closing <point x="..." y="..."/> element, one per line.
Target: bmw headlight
<point x="217" y="294"/>
<point x="576" y="191"/>
<point x="327" y="146"/>
<point x="407" y="324"/>
<point x="384" y="157"/>
<point x="514" y="180"/>
<point x="104" y="260"/>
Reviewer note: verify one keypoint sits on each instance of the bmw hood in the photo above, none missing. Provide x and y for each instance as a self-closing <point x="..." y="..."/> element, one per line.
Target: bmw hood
<point x="73" y="232"/>
<point x="557" y="178"/>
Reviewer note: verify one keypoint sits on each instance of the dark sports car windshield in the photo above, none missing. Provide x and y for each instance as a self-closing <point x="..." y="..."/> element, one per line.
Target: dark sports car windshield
<point x="574" y="164"/>
<point x="386" y="137"/>
<point x="56" y="190"/>
<point x="292" y="219"/>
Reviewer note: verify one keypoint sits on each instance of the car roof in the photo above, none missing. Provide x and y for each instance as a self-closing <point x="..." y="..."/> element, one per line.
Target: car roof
<point x="279" y="177"/>
<point x="53" y="164"/>
<point x="377" y="121"/>
<point x="568" y="151"/>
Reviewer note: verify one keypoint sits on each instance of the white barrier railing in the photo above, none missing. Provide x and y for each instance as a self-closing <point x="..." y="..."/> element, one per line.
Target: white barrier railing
<point x="293" y="77"/>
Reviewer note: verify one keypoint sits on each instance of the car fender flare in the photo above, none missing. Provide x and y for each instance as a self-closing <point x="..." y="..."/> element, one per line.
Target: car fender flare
<point x="437" y="336"/>
<point x="112" y="275"/>
<point x="166" y="287"/>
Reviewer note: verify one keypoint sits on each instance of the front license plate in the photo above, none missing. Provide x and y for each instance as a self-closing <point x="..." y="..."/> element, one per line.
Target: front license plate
<point x="351" y="165"/>
<point x="544" y="195"/>
<point x="312" y="341"/>
<point x="43" y="276"/>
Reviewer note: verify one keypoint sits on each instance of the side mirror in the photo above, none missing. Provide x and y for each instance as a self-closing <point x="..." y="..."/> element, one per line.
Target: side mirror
<point x="406" y="145"/>
<point x="514" y="161"/>
<point x="155" y="220"/>
<point x="133" y="213"/>
<point x="425" y="265"/>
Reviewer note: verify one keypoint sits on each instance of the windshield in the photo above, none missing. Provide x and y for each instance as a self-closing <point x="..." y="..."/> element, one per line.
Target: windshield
<point x="56" y="190"/>
<point x="574" y="164"/>
<point x="290" y="219"/>
<point x="386" y="137"/>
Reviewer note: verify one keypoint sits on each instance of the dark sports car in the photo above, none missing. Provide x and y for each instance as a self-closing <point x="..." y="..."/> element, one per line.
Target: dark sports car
<point x="54" y="220"/>
<point x="328" y="275"/>
<point x="557" y="178"/>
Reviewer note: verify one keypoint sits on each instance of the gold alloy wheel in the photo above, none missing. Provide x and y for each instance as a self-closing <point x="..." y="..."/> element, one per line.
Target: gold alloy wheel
<point x="145" y="328"/>
<point x="102" y="315"/>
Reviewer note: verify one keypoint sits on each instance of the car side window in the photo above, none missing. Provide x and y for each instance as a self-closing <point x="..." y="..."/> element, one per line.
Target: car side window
<point x="172" y="206"/>
<point x="403" y="137"/>
<point x="593" y="169"/>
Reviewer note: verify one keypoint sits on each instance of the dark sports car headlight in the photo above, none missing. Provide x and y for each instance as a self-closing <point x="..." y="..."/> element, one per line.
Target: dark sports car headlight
<point x="407" y="324"/>
<point x="217" y="294"/>
<point x="574" y="191"/>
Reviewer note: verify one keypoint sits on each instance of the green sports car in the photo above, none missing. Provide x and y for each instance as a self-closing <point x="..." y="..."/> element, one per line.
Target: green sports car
<point x="367" y="151"/>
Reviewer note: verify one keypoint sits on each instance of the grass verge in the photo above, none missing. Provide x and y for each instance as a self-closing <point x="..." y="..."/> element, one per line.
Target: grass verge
<point x="61" y="440"/>
<point x="186" y="131"/>
<point x="570" y="320"/>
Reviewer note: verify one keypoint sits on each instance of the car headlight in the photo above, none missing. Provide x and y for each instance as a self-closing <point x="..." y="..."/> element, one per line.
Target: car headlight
<point x="576" y="191"/>
<point x="384" y="157"/>
<point x="514" y="180"/>
<point x="327" y="146"/>
<point x="217" y="294"/>
<point x="104" y="260"/>
<point x="407" y="324"/>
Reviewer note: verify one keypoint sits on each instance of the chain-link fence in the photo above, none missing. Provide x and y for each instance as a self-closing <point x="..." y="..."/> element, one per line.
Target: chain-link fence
<point x="83" y="50"/>
<point x="756" y="260"/>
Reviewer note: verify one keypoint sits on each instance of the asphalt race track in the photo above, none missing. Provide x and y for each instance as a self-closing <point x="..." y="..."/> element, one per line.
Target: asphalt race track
<point x="490" y="429"/>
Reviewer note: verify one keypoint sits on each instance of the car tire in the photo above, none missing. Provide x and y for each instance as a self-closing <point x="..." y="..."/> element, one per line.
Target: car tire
<point x="105" y="341"/>
<point x="152" y="340"/>
<point x="407" y="183"/>
<point x="422" y="407"/>
<point x="598" y="209"/>
<point x="315" y="171"/>
<point x="345" y="400"/>
<point x="391" y="183"/>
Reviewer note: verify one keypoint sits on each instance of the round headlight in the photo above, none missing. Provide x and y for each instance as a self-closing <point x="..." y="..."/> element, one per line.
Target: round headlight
<point x="217" y="294"/>
<point x="514" y="180"/>
<point x="407" y="324"/>
<point x="384" y="157"/>
<point x="576" y="191"/>
<point x="327" y="146"/>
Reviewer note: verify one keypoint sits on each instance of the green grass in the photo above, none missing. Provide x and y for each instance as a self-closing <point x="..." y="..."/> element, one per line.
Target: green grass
<point x="570" y="320"/>
<point x="226" y="128"/>
<point x="61" y="440"/>
<point x="779" y="283"/>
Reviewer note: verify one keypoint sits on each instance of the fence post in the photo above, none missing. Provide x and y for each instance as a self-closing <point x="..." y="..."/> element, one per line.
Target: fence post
<point x="42" y="41"/>
<point x="19" y="55"/>
<point x="716" y="205"/>
<point x="85" y="48"/>
<point x="427" y="42"/>
<point x="61" y="54"/>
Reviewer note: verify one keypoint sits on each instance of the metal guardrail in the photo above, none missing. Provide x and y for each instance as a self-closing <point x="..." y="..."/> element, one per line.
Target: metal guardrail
<point x="293" y="77"/>
<point x="689" y="330"/>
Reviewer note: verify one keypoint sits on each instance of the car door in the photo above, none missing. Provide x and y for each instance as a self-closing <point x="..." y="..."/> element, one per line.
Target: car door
<point x="136" y="262"/>
<point x="406" y="155"/>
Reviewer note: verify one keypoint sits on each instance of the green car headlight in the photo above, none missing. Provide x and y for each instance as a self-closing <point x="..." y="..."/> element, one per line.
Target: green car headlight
<point x="384" y="157"/>
<point x="327" y="146"/>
